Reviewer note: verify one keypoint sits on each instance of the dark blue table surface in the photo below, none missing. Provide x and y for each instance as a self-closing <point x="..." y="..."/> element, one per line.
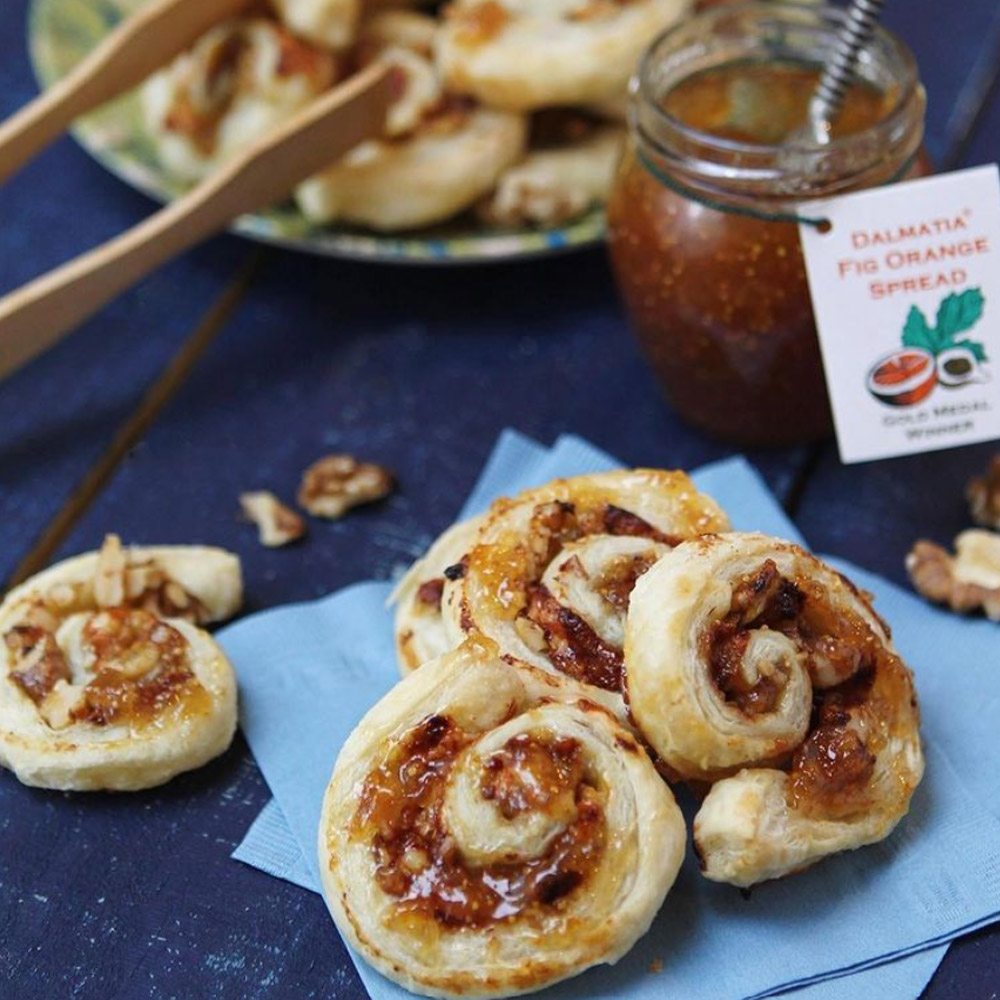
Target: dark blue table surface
<point x="135" y="896"/>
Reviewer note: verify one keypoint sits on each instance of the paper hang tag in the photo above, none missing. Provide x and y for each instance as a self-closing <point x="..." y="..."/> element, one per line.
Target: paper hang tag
<point x="906" y="292"/>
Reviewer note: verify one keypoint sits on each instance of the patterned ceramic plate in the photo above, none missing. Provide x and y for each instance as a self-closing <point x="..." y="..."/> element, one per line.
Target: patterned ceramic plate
<point x="61" y="32"/>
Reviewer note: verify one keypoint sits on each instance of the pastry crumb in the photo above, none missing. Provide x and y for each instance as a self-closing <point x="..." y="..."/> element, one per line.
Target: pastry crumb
<point x="277" y="524"/>
<point x="656" y="965"/>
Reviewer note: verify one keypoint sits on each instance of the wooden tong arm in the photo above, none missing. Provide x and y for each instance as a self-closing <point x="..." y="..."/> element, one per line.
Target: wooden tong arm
<point x="37" y="315"/>
<point x="140" y="44"/>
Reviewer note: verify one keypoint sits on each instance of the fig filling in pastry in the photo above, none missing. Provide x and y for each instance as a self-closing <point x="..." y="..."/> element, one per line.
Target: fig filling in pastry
<point x="486" y="832"/>
<point x="753" y="665"/>
<point x="402" y="810"/>
<point x="108" y="681"/>
<point x="551" y="572"/>
<point x="137" y="666"/>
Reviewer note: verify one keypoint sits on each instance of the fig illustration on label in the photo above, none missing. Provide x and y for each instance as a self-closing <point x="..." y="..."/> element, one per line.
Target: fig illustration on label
<point x="932" y="355"/>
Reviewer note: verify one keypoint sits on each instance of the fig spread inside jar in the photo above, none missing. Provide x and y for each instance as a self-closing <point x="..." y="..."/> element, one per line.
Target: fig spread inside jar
<point x="702" y="220"/>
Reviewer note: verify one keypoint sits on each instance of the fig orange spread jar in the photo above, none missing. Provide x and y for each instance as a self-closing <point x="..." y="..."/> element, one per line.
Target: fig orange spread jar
<point x="702" y="221"/>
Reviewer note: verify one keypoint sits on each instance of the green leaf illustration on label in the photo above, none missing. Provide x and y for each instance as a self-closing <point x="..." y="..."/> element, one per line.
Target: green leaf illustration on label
<point x="958" y="312"/>
<point x="916" y="332"/>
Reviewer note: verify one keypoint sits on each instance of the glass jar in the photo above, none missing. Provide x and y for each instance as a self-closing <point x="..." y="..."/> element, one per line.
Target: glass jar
<point x="702" y="226"/>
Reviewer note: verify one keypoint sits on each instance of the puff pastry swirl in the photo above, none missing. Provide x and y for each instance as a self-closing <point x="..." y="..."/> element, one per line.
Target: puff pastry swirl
<point x="484" y="835"/>
<point x="527" y="54"/>
<point x="107" y="682"/>
<point x="750" y="661"/>
<point x="550" y="576"/>
<point x="419" y="626"/>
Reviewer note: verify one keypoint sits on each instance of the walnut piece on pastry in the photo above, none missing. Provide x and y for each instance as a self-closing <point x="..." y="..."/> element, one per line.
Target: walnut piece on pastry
<point x="106" y="682"/>
<point x="419" y="626"/>
<point x="552" y="186"/>
<point x="484" y="834"/>
<point x="334" y="484"/>
<point x="983" y="494"/>
<point x="277" y="524"/>
<point x="752" y="664"/>
<point x="238" y="81"/>
<point x="526" y="54"/>
<point x="550" y="575"/>
<point x="966" y="582"/>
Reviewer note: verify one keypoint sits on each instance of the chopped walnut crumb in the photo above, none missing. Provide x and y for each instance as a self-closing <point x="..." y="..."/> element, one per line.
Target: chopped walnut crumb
<point x="530" y="633"/>
<point x="109" y="581"/>
<point x="983" y="494"/>
<point x="122" y="582"/>
<point x="968" y="581"/>
<point x="336" y="483"/>
<point x="276" y="523"/>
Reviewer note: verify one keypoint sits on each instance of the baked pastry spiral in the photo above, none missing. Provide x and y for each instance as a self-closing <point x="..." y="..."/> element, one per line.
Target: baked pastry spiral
<point x="550" y="576"/>
<point x="750" y="661"/>
<point x="107" y="682"/>
<point x="419" y="626"/>
<point x="527" y="54"/>
<point x="237" y="82"/>
<point x="484" y="835"/>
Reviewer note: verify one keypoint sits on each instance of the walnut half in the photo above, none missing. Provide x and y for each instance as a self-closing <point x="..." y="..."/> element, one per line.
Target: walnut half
<point x="331" y="486"/>
<point x="983" y="494"/>
<point x="968" y="581"/>
<point x="276" y="523"/>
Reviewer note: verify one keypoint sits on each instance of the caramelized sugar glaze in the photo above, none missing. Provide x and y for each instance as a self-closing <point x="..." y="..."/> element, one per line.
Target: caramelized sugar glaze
<point x="417" y="861"/>
<point x="853" y="714"/>
<point x="139" y="664"/>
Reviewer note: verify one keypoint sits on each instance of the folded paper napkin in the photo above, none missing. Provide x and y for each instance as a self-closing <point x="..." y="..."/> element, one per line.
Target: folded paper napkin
<point x="879" y="915"/>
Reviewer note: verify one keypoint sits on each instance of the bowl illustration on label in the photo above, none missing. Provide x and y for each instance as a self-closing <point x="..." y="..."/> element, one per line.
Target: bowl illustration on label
<point x="904" y="377"/>
<point x="932" y="354"/>
<point x="958" y="365"/>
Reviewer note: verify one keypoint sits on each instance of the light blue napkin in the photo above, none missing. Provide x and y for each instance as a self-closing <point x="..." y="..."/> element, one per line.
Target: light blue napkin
<point x="937" y="876"/>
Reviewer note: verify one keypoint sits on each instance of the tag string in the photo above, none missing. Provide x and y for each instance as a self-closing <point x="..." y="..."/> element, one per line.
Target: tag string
<point x="753" y="213"/>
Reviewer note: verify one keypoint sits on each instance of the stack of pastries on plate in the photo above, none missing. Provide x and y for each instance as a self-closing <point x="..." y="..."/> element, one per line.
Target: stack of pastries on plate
<point x="502" y="819"/>
<point x="509" y="108"/>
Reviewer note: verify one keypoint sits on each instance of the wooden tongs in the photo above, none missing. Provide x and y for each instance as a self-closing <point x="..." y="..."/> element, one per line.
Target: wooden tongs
<point x="35" y="316"/>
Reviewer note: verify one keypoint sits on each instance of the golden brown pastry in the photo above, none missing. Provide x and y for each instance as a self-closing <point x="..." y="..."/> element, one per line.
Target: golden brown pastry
<point x="107" y="682"/>
<point x="550" y="576"/>
<point x="750" y="661"/>
<point x="483" y="836"/>
<point x="556" y="184"/>
<point x="440" y="154"/>
<point x="419" y="626"/>
<point x="237" y="82"/>
<point x="527" y="54"/>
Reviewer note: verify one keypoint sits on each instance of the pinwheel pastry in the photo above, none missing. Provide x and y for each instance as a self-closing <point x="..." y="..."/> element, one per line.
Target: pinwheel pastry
<point x="752" y="664"/>
<point x="420" y="628"/>
<point x="527" y="54"/>
<point x="483" y="835"/>
<point x="237" y="82"/>
<point x="559" y="178"/>
<point x="441" y="154"/>
<point x="108" y="682"/>
<point x="550" y="576"/>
